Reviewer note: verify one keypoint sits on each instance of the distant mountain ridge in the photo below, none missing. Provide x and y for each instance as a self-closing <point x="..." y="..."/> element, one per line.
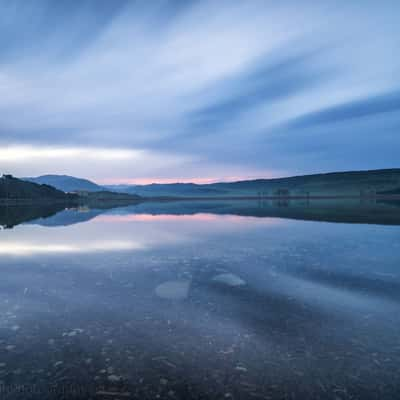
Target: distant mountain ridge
<point x="351" y="183"/>
<point x="66" y="183"/>
<point x="16" y="189"/>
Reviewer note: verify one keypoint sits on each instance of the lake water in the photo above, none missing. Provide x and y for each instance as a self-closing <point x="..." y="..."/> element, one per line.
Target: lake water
<point x="197" y="301"/>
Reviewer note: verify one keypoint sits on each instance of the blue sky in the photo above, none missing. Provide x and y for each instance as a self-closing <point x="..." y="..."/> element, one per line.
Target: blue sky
<point x="139" y="91"/>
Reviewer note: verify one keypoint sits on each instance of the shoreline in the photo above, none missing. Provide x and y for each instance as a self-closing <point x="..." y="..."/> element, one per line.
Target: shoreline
<point x="322" y="197"/>
<point x="81" y="201"/>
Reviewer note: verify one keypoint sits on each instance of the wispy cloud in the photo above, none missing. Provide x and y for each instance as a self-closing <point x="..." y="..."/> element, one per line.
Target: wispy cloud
<point x="95" y="161"/>
<point x="30" y="153"/>
<point x="195" y="89"/>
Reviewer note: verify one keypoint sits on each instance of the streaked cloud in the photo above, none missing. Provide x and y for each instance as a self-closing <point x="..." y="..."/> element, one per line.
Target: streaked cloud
<point x="197" y="89"/>
<point x="96" y="161"/>
<point x="360" y="108"/>
<point x="30" y="153"/>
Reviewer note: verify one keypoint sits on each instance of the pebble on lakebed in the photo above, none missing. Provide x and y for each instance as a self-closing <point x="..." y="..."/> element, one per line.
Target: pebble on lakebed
<point x="229" y="280"/>
<point x="114" y="378"/>
<point x="57" y="364"/>
<point x="173" y="290"/>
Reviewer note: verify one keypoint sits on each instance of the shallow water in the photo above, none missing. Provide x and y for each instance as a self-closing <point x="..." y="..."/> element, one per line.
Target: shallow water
<point x="169" y="301"/>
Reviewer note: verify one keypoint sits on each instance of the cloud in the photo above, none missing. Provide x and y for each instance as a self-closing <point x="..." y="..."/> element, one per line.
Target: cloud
<point x="30" y="153"/>
<point x="199" y="89"/>
<point x="266" y="84"/>
<point x="369" y="107"/>
<point x="95" y="161"/>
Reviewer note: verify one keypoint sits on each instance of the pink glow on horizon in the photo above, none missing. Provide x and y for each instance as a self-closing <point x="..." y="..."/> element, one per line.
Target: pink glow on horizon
<point x="151" y="217"/>
<point x="148" y="181"/>
<point x="202" y="217"/>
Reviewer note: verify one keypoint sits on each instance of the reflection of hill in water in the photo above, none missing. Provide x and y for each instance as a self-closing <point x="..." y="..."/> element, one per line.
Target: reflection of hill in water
<point x="68" y="217"/>
<point x="54" y="214"/>
<point x="18" y="214"/>
<point x="332" y="210"/>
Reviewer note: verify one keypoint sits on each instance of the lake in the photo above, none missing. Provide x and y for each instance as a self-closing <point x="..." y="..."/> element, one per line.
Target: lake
<point x="198" y="300"/>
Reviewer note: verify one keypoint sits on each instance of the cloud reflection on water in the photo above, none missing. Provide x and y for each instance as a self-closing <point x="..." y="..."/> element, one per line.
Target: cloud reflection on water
<point x="286" y="302"/>
<point x="104" y="233"/>
<point x="30" y="248"/>
<point x="185" y="217"/>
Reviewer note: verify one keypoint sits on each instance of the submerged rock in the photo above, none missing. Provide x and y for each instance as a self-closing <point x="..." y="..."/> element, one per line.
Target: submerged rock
<point x="114" y="378"/>
<point x="229" y="280"/>
<point x="173" y="290"/>
<point x="58" y="364"/>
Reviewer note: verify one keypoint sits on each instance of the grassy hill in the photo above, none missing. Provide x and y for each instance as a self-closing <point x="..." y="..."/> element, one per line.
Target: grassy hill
<point x="352" y="183"/>
<point x="18" y="190"/>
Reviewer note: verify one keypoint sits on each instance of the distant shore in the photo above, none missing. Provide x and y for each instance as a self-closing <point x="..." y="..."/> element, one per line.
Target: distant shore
<point x="83" y="201"/>
<point x="321" y="197"/>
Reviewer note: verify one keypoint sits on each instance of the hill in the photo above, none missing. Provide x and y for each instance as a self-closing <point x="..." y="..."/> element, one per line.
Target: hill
<point x="351" y="183"/>
<point x="107" y="197"/>
<point x="171" y="189"/>
<point x="13" y="189"/>
<point x="16" y="191"/>
<point x="66" y="183"/>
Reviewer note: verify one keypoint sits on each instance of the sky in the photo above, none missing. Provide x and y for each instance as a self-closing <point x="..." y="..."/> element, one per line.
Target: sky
<point x="141" y="91"/>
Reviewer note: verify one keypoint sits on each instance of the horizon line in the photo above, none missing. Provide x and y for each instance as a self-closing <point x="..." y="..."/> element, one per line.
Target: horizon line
<point x="199" y="181"/>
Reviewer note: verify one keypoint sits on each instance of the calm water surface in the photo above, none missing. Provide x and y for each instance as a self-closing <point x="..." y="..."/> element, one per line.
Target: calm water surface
<point x="125" y="303"/>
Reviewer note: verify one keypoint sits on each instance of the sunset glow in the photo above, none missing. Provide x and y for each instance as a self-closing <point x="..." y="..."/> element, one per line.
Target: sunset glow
<point x="200" y="217"/>
<point x="196" y="180"/>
